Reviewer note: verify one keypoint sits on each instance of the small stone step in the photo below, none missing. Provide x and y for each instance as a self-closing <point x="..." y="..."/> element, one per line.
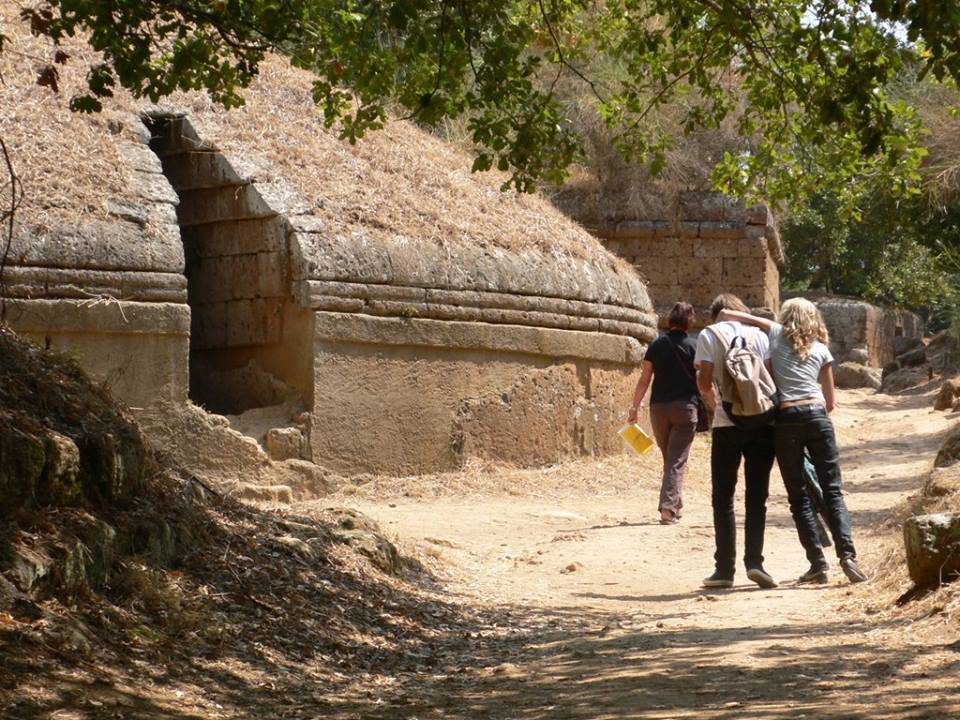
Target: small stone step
<point x="284" y="443"/>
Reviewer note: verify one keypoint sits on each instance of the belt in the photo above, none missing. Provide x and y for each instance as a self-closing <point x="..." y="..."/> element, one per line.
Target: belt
<point x="801" y="403"/>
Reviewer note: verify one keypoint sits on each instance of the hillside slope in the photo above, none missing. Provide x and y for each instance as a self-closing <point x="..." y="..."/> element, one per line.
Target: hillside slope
<point x="130" y="588"/>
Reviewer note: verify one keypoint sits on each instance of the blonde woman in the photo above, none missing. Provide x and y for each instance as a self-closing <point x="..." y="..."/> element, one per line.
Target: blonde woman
<point x="802" y="368"/>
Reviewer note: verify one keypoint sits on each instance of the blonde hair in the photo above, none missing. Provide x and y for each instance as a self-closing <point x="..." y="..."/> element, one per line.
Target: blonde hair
<point x="802" y="326"/>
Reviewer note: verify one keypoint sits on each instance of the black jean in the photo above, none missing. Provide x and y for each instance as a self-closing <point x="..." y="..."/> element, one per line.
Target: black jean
<point x="808" y="427"/>
<point x="755" y="447"/>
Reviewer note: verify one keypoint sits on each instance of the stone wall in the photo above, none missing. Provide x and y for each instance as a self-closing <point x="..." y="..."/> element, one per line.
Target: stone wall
<point x="410" y="395"/>
<point x="111" y="293"/>
<point x="865" y="333"/>
<point x="714" y="245"/>
<point x="427" y="355"/>
<point x="238" y="270"/>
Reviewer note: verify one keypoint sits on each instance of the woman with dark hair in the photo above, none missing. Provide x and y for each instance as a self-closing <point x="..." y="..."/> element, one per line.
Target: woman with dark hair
<point x="673" y="404"/>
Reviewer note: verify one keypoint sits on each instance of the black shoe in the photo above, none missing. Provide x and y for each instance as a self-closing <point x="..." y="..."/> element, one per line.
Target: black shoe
<point x="816" y="575"/>
<point x="762" y="578"/>
<point x="718" y="580"/>
<point x="852" y="570"/>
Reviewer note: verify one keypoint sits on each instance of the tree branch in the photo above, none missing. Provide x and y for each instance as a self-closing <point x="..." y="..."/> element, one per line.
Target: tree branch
<point x="563" y="60"/>
<point x="7" y="216"/>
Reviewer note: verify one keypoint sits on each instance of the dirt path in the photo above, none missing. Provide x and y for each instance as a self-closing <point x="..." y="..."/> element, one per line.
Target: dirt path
<point x="612" y="621"/>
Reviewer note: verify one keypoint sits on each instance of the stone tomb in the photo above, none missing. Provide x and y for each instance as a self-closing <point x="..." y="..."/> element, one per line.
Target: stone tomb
<point x="714" y="245"/>
<point x="408" y="356"/>
<point x="111" y="292"/>
<point x="863" y="333"/>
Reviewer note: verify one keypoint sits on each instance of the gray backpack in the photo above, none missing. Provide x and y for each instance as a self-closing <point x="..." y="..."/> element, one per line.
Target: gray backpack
<point x="748" y="393"/>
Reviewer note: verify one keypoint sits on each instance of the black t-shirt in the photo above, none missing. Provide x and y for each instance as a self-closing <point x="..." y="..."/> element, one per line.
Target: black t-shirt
<point x="671" y="381"/>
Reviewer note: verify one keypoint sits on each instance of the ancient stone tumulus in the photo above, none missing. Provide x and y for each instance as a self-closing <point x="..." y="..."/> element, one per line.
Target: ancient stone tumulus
<point x="249" y="258"/>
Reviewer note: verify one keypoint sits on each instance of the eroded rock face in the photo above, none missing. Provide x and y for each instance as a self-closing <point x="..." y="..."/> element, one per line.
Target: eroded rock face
<point x="111" y="465"/>
<point x="50" y="468"/>
<point x="22" y="459"/>
<point x="948" y="395"/>
<point x="855" y="375"/>
<point x="949" y="452"/>
<point x="912" y="358"/>
<point x="83" y="559"/>
<point x="932" y="544"/>
<point x="62" y="471"/>
<point x="364" y="535"/>
<point x="284" y="443"/>
<point x="859" y="355"/>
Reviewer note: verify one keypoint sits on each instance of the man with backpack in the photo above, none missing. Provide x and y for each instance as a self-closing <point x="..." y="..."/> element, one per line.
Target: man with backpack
<point x="731" y="355"/>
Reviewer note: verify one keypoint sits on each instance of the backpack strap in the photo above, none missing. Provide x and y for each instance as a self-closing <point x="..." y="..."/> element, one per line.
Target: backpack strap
<point x="718" y="336"/>
<point x="683" y="365"/>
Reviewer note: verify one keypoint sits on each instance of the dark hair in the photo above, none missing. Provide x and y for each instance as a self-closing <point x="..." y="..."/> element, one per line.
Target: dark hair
<point x="680" y="316"/>
<point x="726" y="301"/>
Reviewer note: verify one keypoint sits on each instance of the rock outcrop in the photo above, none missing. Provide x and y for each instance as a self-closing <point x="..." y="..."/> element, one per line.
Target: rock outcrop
<point x="855" y="375"/>
<point x="911" y="358"/>
<point x="933" y="548"/>
<point x="948" y="395"/>
<point x="949" y="452"/>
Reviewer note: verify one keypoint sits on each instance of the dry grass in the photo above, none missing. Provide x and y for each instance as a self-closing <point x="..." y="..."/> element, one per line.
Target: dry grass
<point x="941" y="168"/>
<point x="888" y="594"/>
<point x="400" y="183"/>
<point x="610" y="189"/>
<point x="610" y="476"/>
<point x="607" y="189"/>
<point x="67" y="162"/>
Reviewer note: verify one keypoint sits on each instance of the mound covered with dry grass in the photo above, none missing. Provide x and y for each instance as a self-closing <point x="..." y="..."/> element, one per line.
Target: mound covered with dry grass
<point x="401" y="182"/>
<point x="67" y="162"/>
<point x="608" y="189"/>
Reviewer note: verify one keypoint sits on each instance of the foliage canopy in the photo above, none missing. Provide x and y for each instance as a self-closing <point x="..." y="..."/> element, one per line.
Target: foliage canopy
<point x="810" y="74"/>
<point x="892" y="253"/>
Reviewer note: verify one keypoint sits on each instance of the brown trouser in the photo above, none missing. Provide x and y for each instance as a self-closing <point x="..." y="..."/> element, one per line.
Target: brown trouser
<point x="674" y="425"/>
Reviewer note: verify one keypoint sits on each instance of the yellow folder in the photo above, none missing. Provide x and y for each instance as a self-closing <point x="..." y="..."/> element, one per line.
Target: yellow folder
<point x="636" y="438"/>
